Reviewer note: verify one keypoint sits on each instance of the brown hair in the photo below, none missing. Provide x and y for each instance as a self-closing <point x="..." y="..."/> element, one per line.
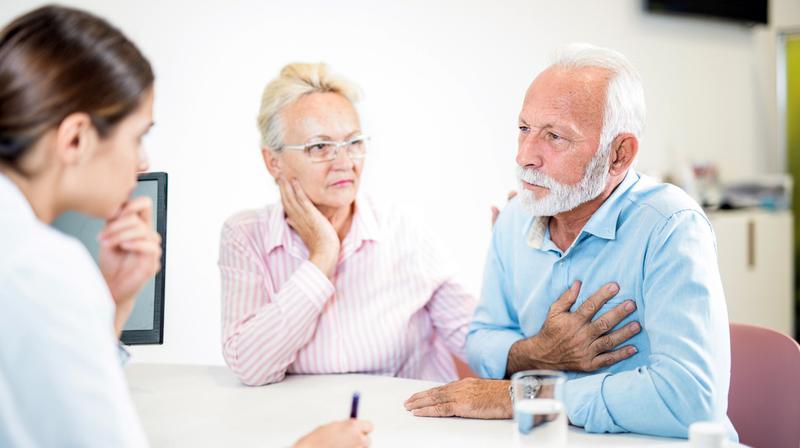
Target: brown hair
<point x="55" y="61"/>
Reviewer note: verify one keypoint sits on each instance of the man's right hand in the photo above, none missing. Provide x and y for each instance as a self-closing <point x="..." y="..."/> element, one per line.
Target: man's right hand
<point x="572" y="341"/>
<point x="311" y="225"/>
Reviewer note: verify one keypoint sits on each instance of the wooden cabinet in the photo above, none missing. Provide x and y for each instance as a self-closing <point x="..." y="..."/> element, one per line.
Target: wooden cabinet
<point x="756" y="260"/>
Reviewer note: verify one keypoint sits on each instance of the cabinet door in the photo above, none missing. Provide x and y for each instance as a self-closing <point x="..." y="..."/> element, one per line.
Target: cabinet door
<point x="755" y="259"/>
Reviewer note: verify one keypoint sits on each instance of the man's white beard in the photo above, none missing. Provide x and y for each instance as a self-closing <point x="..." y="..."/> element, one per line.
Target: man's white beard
<point x="563" y="197"/>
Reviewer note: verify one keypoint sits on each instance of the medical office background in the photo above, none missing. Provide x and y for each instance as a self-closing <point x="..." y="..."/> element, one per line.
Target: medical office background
<point x="443" y="83"/>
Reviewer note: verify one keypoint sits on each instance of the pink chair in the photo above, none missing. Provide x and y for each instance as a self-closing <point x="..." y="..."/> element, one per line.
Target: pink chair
<point x="764" y="397"/>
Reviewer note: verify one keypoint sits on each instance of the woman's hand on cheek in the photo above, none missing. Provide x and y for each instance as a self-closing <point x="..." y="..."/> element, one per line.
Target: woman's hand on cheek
<point x="313" y="228"/>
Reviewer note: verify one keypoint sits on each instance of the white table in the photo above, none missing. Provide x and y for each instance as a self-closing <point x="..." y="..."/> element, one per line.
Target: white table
<point x="199" y="406"/>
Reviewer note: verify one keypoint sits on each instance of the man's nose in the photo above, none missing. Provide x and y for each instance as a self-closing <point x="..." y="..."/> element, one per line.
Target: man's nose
<point x="528" y="152"/>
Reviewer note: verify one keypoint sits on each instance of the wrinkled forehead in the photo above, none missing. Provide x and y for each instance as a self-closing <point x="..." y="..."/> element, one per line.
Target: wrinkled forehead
<point x="575" y="94"/>
<point x="320" y="114"/>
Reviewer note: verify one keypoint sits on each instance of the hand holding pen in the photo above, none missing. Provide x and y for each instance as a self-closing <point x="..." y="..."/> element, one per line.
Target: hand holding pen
<point x="350" y="433"/>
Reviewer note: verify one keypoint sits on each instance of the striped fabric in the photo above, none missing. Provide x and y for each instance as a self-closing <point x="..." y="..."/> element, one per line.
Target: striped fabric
<point x="392" y="307"/>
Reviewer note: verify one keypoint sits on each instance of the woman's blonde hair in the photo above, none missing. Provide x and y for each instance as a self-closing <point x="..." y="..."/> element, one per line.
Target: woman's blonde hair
<point x="294" y="81"/>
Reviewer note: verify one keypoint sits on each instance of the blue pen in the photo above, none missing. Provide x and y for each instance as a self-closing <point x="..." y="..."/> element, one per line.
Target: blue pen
<point x="354" y="406"/>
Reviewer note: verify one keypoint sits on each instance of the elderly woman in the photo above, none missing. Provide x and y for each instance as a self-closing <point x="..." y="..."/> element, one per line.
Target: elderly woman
<point x="328" y="280"/>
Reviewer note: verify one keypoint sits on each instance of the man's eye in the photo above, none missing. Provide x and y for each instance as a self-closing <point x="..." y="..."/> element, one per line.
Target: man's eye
<point x="524" y="129"/>
<point x="553" y="136"/>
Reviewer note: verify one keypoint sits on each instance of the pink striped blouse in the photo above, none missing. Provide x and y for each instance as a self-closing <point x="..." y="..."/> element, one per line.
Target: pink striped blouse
<point x="392" y="308"/>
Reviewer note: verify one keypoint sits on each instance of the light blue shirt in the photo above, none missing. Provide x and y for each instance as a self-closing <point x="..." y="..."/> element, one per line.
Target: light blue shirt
<point x="657" y="244"/>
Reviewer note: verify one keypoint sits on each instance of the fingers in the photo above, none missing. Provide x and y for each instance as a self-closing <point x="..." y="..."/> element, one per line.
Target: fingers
<point x="141" y="206"/>
<point x="609" y="320"/>
<point x="363" y="426"/>
<point x="288" y="197"/>
<point x="495" y="213"/>
<point x="119" y="224"/>
<point x="439" y="410"/>
<point x="592" y="305"/>
<point x="430" y="397"/>
<point x="614" y="339"/>
<point x="565" y="302"/>
<point x="300" y="194"/>
<point x="610" y="358"/>
<point x="142" y="247"/>
<point x="511" y="194"/>
<point x="133" y="230"/>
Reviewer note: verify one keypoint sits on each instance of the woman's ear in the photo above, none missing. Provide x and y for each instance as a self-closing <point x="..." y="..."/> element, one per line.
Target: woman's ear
<point x="272" y="161"/>
<point x="623" y="152"/>
<point x="75" y="138"/>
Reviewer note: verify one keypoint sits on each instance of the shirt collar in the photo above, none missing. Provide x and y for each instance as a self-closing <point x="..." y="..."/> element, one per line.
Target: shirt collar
<point x="364" y="227"/>
<point x="12" y="200"/>
<point x="602" y="224"/>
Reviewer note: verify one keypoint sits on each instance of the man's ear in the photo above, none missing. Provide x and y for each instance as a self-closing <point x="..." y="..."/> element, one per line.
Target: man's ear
<point x="623" y="152"/>
<point x="76" y="138"/>
<point x="272" y="161"/>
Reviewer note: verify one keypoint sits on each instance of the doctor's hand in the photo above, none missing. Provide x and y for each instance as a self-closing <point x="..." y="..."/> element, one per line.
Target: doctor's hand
<point x="470" y="398"/>
<point x="313" y="228"/>
<point x="130" y="254"/>
<point x="573" y="341"/>
<point x="344" y="434"/>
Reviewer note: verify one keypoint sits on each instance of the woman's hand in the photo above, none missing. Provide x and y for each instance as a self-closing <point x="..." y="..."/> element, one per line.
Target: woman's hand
<point x="314" y="229"/>
<point x="345" y="434"/>
<point x="130" y="254"/>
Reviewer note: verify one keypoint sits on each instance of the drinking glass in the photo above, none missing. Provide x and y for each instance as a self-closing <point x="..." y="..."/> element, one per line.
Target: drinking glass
<point x="540" y="418"/>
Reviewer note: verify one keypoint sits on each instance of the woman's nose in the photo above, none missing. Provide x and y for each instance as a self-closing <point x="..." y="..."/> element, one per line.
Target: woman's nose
<point x="143" y="164"/>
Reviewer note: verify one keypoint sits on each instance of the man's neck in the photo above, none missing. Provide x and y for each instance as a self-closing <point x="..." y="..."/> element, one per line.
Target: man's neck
<point x="565" y="227"/>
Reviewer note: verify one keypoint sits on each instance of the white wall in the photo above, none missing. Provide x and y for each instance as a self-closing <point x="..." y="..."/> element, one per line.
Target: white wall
<point x="443" y="81"/>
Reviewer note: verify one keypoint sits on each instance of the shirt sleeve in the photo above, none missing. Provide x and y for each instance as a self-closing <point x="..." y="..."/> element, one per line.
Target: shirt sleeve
<point x="451" y="309"/>
<point x="686" y="376"/>
<point x="495" y="326"/>
<point x="123" y="354"/>
<point x="263" y="329"/>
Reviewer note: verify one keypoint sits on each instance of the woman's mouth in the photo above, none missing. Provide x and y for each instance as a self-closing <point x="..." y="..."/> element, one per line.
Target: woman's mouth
<point x="342" y="183"/>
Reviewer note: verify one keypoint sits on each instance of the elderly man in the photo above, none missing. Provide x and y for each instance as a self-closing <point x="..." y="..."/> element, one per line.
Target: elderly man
<point x="585" y="222"/>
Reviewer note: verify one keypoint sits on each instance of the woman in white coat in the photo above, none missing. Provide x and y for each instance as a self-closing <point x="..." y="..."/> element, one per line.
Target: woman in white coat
<point x="76" y="98"/>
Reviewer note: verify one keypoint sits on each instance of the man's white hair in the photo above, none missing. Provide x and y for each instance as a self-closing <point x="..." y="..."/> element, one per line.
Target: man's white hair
<point x="624" y="109"/>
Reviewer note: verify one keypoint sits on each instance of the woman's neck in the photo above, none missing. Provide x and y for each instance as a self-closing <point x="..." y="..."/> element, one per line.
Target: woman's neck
<point x="340" y="218"/>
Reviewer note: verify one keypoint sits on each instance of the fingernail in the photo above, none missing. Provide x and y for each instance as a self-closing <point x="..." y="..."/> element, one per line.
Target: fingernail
<point x="632" y="350"/>
<point x="613" y="287"/>
<point x="636" y="327"/>
<point x="630" y="306"/>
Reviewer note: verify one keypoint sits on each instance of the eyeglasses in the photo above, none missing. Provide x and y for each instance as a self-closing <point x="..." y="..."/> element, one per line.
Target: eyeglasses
<point x="325" y="151"/>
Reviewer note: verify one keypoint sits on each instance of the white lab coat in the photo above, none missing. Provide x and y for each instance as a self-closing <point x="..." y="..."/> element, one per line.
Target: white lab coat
<point x="61" y="383"/>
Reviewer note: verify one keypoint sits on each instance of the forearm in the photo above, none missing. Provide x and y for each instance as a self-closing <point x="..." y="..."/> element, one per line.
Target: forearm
<point x="521" y="356"/>
<point x="451" y="309"/>
<point x="259" y="345"/>
<point x="122" y="312"/>
<point x="662" y="400"/>
<point x="488" y="348"/>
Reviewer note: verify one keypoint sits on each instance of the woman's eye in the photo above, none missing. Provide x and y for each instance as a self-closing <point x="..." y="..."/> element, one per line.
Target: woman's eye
<point x="319" y="147"/>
